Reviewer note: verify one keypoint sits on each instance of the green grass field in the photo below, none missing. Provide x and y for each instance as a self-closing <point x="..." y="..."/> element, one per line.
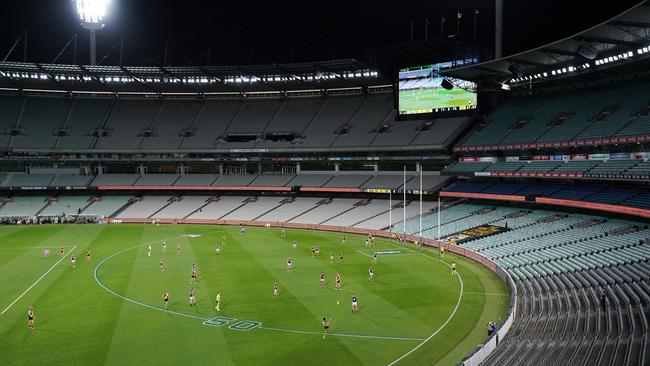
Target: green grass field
<point x="429" y="99"/>
<point x="109" y="310"/>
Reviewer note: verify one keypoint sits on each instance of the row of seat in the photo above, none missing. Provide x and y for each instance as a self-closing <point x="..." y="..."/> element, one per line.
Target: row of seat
<point x="357" y="180"/>
<point x="626" y="168"/>
<point x="583" y="285"/>
<point x="57" y="123"/>
<point x="637" y="197"/>
<point x="580" y="318"/>
<point x="351" y="212"/>
<point x="567" y="116"/>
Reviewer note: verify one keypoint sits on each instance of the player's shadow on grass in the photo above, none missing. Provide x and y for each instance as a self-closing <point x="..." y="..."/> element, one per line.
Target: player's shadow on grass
<point x="47" y="330"/>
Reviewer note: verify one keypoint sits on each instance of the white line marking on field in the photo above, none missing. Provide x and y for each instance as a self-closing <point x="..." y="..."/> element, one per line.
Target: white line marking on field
<point x="380" y="254"/>
<point x="37" y="281"/>
<point x="343" y="334"/>
<point x="99" y="265"/>
<point x="153" y="307"/>
<point x="367" y="255"/>
<point x="27" y="248"/>
<point x="448" y="319"/>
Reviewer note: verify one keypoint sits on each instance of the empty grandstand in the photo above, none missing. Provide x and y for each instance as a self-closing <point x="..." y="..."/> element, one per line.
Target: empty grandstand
<point x="301" y="124"/>
<point x="480" y="189"/>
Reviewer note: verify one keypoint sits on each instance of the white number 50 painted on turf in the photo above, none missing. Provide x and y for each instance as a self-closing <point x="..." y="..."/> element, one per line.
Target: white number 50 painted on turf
<point x="242" y="325"/>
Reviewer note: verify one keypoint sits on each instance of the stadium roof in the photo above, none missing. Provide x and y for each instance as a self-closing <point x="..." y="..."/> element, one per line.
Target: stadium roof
<point x="191" y="79"/>
<point x="427" y="51"/>
<point x="619" y="39"/>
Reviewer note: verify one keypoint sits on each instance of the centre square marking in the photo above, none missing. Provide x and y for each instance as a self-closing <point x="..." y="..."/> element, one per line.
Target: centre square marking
<point x="241" y="325"/>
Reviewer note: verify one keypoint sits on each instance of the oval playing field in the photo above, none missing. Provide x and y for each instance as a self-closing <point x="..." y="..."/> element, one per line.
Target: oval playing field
<point x="413" y="312"/>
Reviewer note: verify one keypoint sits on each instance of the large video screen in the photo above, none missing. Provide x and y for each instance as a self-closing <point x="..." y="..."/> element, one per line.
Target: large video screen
<point x="423" y="90"/>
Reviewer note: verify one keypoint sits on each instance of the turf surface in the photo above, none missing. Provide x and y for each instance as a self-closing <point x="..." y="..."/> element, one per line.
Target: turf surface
<point x="109" y="310"/>
<point x="432" y="99"/>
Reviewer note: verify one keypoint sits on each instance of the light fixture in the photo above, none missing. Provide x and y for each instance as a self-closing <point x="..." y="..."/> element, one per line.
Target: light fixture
<point x="92" y="14"/>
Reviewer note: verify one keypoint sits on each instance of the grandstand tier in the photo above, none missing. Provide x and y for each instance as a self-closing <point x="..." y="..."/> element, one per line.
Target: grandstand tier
<point x="292" y="148"/>
<point x="139" y="124"/>
<point x="619" y="169"/>
<point x="587" y="117"/>
<point x="321" y="181"/>
<point x="627" y="200"/>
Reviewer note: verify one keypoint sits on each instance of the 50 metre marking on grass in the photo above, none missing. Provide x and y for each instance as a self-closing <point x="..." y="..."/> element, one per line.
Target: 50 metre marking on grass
<point x="153" y="307"/>
<point x="37" y="281"/>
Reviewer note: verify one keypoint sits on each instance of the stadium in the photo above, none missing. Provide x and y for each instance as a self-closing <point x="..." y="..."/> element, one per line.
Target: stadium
<point x="436" y="200"/>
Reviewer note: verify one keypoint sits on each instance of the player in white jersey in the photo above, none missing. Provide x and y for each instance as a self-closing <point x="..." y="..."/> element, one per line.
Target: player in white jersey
<point x="218" y="302"/>
<point x="192" y="297"/>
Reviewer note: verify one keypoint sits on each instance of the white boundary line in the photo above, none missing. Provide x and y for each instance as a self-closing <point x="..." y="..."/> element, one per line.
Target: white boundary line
<point x="460" y="296"/>
<point x="53" y="247"/>
<point x="342" y="334"/>
<point x="37" y="281"/>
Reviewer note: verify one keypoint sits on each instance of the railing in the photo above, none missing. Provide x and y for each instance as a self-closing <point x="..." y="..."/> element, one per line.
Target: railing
<point x="484" y="351"/>
<point x="556" y="144"/>
<point x="626" y="210"/>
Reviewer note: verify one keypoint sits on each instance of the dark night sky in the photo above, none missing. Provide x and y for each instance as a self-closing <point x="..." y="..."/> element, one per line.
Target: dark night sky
<point x="279" y="31"/>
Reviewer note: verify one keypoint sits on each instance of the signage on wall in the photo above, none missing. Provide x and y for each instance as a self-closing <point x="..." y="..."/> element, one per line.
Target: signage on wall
<point x="541" y="157"/>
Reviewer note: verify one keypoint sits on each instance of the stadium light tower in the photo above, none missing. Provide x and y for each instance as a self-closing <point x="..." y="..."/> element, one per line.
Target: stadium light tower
<point x="92" y="14"/>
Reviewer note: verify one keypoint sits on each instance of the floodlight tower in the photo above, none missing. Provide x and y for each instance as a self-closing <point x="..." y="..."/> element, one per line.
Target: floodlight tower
<point x="92" y="14"/>
<point x="498" y="28"/>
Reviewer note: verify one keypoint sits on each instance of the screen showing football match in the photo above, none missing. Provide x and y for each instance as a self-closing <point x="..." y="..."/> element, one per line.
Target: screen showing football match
<point x="423" y="90"/>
